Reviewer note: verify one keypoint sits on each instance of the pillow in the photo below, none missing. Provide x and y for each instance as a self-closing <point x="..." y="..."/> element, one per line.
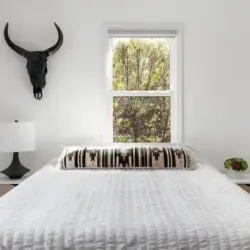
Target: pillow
<point x="142" y="157"/>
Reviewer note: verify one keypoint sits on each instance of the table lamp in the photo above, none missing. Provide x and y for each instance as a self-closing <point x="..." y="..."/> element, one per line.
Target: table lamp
<point x="16" y="137"/>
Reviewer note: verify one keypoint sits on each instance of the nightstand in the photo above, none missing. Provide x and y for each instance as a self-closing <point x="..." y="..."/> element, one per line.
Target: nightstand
<point x="242" y="181"/>
<point x="7" y="184"/>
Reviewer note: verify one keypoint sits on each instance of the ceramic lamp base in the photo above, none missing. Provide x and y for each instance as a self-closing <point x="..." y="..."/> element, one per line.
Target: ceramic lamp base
<point x="16" y="170"/>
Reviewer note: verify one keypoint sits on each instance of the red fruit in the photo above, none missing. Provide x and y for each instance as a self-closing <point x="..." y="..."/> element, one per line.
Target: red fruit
<point x="236" y="165"/>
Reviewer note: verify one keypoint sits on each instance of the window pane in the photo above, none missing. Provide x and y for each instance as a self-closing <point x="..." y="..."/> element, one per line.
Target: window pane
<point x="141" y="119"/>
<point x="141" y="64"/>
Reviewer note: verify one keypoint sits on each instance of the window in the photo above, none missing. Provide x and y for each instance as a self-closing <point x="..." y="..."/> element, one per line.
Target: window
<point x="144" y="86"/>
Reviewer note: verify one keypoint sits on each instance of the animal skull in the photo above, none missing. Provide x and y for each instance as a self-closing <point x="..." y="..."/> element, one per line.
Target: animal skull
<point x="36" y="61"/>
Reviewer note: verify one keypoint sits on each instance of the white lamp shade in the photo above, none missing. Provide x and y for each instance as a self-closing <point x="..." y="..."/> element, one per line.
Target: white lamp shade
<point x="17" y="137"/>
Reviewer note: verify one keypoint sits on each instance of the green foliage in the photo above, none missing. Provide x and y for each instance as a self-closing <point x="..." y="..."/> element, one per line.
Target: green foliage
<point x="141" y="64"/>
<point x="227" y="164"/>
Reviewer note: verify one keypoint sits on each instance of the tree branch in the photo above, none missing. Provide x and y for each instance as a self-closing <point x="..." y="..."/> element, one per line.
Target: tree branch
<point x="150" y="71"/>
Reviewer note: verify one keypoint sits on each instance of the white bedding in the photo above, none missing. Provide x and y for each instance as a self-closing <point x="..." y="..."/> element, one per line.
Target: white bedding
<point x="102" y="209"/>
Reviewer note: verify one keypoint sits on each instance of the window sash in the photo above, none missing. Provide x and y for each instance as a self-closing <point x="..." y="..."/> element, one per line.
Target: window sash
<point x="142" y="34"/>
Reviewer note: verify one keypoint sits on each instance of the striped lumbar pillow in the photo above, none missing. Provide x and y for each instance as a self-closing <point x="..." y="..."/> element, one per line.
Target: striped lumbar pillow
<point x="120" y="157"/>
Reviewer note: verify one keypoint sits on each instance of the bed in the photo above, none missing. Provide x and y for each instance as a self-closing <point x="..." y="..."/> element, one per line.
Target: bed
<point x="116" y="209"/>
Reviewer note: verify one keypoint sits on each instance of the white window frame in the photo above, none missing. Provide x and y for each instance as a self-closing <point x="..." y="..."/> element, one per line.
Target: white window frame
<point x="114" y="30"/>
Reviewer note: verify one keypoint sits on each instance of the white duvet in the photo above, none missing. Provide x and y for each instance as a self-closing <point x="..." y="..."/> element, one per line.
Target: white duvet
<point x="105" y="209"/>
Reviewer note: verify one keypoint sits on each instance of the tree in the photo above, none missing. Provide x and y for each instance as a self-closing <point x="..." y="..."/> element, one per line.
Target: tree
<point x="141" y="64"/>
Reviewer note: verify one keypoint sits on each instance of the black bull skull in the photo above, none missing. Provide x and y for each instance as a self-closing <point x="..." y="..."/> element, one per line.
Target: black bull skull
<point x="36" y="61"/>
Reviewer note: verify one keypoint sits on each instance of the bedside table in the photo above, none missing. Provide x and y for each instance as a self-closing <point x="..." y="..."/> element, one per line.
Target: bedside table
<point x="7" y="184"/>
<point x="242" y="181"/>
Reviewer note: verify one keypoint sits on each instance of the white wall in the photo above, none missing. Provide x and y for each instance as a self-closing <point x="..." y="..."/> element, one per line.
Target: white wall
<point x="216" y="70"/>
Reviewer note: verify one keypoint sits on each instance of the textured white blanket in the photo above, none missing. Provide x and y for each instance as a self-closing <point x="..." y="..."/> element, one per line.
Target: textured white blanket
<point x="165" y="209"/>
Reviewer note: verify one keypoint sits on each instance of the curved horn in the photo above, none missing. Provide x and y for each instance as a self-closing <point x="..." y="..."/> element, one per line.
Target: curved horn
<point x="59" y="43"/>
<point x="16" y="48"/>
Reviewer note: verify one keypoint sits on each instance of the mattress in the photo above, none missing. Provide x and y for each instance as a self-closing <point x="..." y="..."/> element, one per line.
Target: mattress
<point x="115" y="209"/>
